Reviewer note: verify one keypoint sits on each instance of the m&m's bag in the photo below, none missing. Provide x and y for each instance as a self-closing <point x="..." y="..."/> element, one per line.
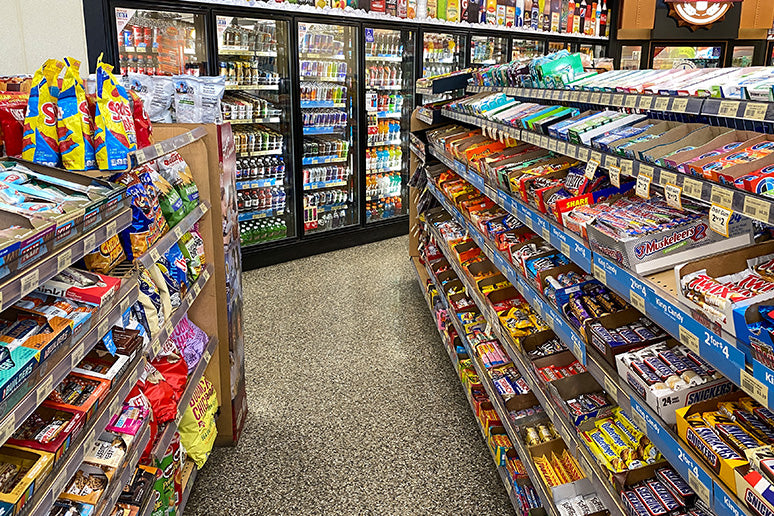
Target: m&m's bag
<point x="40" y="141"/>
<point x="75" y="131"/>
<point x="114" y="135"/>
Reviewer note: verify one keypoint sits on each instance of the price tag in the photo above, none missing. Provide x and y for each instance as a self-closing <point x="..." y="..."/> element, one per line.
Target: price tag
<point x="206" y="356"/>
<point x="595" y="97"/>
<point x="728" y="108"/>
<point x="44" y="389"/>
<point x="646" y="170"/>
<point x="88" y="243"/>
<point x="719" y="218"/>
<point x="154" y="254"/>
<point x="103" y="328"/>
<point x="64" y="260"/>
<point x="646" y="102"/>
<point x="692" y="188"/>
<point x="78" y="354"/>
<point x="561" y="148"/>
<point x="178" y="232"/>
<point x="631" y="101"/>
<point x="698" y="487"/>
<point x="565" y="249"/>
<point x="30" y="282"/>
<point x="111" y="228"/>
<point x="722" y="196"/>
<point x="155" y="347"/>
<point x="605" y="99"/>
<point x="639" y="421"/>
<point x="626" y="167"/>
<point x="600" y="273"/>
<point x="637" y="301"/>
<point x="197" y="288"/>
<point x="690" y="340"/>
<point x="159" y="149"/>
<point x="754" y="388"/>
<point x="611" y="387"/>
<point x="667" y="178"/>
<point x="615" y="176"/>
<point x="9" y="424"/>
<point x="756" y="110"/>
<point x="125" y="303"/>
<point x="673" y="195"/>
<point x="617" y="100"/>
<point x="591" y="168"/>
<point x="549" y="320"/>
<point x="610" y="161"/>
<point x="546" y="235"/>
<point x="661" y="103"/>
<point x="757" y="208"/>
<point x="642" y="189"/>
<point x="679" y="105"/>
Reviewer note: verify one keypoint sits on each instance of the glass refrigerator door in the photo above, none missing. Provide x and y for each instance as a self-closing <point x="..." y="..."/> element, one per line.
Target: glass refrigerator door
<point x="160" y="42"/>
<point x="253" y="57"/>
<point x="685" y="57"/>
<point x="389" y="58"/>
<point x="328" y="68"/>
<point x="488" y="50"/>
<point x="526" y="49"/>
<point x="441" y="53"/>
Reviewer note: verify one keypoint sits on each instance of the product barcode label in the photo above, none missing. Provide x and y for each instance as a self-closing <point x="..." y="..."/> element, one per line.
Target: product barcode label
<point x="646" y="170"/>
<point x="197" y="288"/>
<point x="30" y="282"/>
<point x="754" y="388"/>
<point x="154" y="254"/>
<point x="111" y="229"/>
<point x="626" y="167"/>
<point x="637" y="301"/>
<point x="756" y="111"/>
<point x="611" y="387"/>
<point x="600" y="273"/>
<point x="615" y="176"/>
<point x="155" y="347"/>
<point x="701" y="490"/>
<point x="617" y="100"/>
<point x="690" y="340"/>
<point x="44" y="389"/>
<point x="595" y="98"/>
<point x="722" y="196"/>
<point x="605" y="99"/>
<point x="692" y="188"/>
<point x="661" y="103"/>
<point x="719" y="218"/>
<point x="728" y="108"/>
<point x="679" y="105"/>
<point x="673" y="195"/>
<point x="178" y="232"/>
<point x="631" y="101"/>
<point x="639" y="421"/>
<point x="64" y="260"/>
<point x="565" y="249"/>
<point x="757" y="208"/>
<point x="646" y="102"/>
<point x="667" y="178"/>
<point x="206" y="356"/>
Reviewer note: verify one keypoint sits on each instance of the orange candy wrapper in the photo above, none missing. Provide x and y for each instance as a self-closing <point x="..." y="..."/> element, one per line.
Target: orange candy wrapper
<point x="114" y="135"/>
<point x="75" y="131"/>
<point x="40" y="141"/>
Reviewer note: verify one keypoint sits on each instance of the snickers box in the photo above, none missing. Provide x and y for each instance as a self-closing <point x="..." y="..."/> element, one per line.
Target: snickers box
<point x="736" y="316"/>
<point x="665" y="404"/>
<point x="702" y="442"/>
<point x="755" y="491"/>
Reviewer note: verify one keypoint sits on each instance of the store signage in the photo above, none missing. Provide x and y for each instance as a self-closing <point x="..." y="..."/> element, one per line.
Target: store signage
<point x="699" y="14"/>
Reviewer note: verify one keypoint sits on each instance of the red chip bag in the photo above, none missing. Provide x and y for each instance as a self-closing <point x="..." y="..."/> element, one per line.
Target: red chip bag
<point x="13" y="106"/>
<point x="142" y="123"/>
<point x="160" y="395"/>
<point x="175" y="372"/>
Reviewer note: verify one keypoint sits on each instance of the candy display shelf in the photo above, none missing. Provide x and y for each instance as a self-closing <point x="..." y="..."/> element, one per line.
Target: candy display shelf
<point x="163" y="244"/>
<point x="47" y="491"/>
<point x="55" y="368"/>
<point x="191" y="295"/>
<point x="422" y="275"/>
<point x="593" y="471"/>
<point x="754" y="206"/>
<point x="124" y="473"/>
<point x="157" y="150"/>
<point x="654" y="294"/>
<point x="709" y="488"/>
<point x="160" y="448"/>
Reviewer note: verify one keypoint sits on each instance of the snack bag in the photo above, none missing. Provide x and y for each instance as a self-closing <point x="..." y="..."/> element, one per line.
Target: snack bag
<point x="168" y="270"/>
<point x="174" y="370"/>
<point x="192" y="246"/>
<point x="74" y="126"/>
<point x="142" y="124"/>
<point x="188" y="99"/>
<point x="106" y="256"/>
<point x="146" y="227"/>
<point x="190" y="340"/>
<point x="40" y="141"/>
<point x="161" y="285"/>
<point x="148" y="308"/>
<point x="160" y="394"/>
<point x="175" y="170"/>
<point x="171" y="204"/>
<point x="156" y="92"/>
<point x="197" y="428"/>
<point x="13" y="106"/>
<point x="114" y="135"/>
<point x="148" y="174"/>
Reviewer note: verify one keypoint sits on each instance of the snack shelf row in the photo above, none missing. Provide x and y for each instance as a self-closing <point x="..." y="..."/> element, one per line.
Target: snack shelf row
<point x="124" y="475"/>
<point x="189" y="479"/>
<point x="456" y="81"/>
<point x="163" y="244"/>
<point x="652" y="294"/>
<point x="422" y="275"/>
<point x="724" y="108"/>
<point x="157" y="150"/>
<point x="596" y="474"/>
<point x="428" y="116"/>
<point x="707" y="486"/>
<point x="168" y="433"/>
<point x="57" y="366"/>
<point x="49" y="489"/>
<point x="186" y="302"/>
<point x="417" y="146"/>
<point x="27" y="279"/>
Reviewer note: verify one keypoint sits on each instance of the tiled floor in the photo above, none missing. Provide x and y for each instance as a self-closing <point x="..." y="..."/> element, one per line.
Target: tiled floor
<point x="354" y="405"/>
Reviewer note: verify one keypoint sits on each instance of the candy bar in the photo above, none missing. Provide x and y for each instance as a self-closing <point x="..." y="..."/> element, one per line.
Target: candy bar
<point x="673" y="361"/>
<point x="659" y="368"/>
<point x="645" y="372"/>
<point x="633" y="504"/>
<point x="735" y="436"/>
<point x="663" y="495"/>
<point x="606" y="451"/>
<point x="754" y="425"/>
<point x="676" y="485"/>
<point x="717" y="445"/>
<point x="653" y="505"/>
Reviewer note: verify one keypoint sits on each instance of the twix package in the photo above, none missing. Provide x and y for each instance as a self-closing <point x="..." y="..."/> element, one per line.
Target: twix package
<point x="114" y="135"/>
<point x="75" y="132"/>
<point x="40" y="141"/>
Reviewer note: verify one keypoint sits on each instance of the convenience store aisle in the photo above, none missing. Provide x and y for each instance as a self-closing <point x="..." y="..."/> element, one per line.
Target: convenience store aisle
<point x="354" y="405"/>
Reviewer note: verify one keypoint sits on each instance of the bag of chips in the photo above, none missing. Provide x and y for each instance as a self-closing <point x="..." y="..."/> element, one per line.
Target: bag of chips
<point x="114" y="135"/>
<point x="160" y="394"/>
<point x="74" y="126"/>
<point x="142" y="124"/>
<point x="148" y="307"/>
<point x="175" y="372"/>
<point x="190" y="340"/>
<point x="157" y="93"/>
<point x="106" y="256"/>
<point x="146" y="227"/>
<point x="197" y="427"/>
<point x="13" y="106"/>
<point x="175" y="170"/>
<point x="169" y="266"/>
<point x="172" y="206"/>
<point x="192" y="246"/>
<point x="40" y="141"/>
<point x="161" y="285"/>
<point x="148" y="173"/>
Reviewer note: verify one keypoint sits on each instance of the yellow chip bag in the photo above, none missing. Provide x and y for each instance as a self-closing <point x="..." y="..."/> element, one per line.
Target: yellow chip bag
<point x="114" y="136"/>
<point x="40" y="141"/>
<point x="75" y="132"/>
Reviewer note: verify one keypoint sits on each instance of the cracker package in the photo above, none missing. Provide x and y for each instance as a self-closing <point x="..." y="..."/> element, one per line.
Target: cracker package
<point x="74" y="125"/>
<point x="40" y="141"/>
<point x="114" y="135"/>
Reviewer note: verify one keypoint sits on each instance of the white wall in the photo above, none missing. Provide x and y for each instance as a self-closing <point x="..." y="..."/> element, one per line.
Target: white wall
<point x="36" y="30"/>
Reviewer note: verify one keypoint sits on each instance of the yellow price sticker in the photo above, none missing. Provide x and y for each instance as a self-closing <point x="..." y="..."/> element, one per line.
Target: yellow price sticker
<point x="44" y="389"/>
<point x="611" y="387"/>
<point x="692" y="188"/>
<point x="639" y="421"/>
<point x="673" y="195"/>
<point x="637" y="301"/>
<point x="756" y="111"/>
<point x="596" y="156"/>
<point x="754" y="388"/>
<point x="667" y="178"/>
<point x="642" y="188"/>
<point x="631" y="101"/>
<point x="88" y="243"/>
<point x="757" y="209"/>
<point x="600" y="273"/>
<point x="605" y="99"/>
<point x="565" y="248"/>
<point x="30" y="282"/>
<point x="690" y="340"/>
<point x="615" y="176"/>
<point x="626" y="167"/>
<point x="610" y="161"/>
<point x="546" y="235"/>
<point x="728" y="108"/>
<point x="646" y="102"/>
<point x="661" y="103"/>
<point x="722" y="196"/>
<point x="679" y="105"/>
<point x="719" y="217"/>
<point x="595" y="98"/>
<point x="646" y="170"/>
<point x="617" y="100"/>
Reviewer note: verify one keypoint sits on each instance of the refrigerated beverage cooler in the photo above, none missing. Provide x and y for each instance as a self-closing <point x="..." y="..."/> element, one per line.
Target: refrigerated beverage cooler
<point x="488" y="50"/>
<point x="253" y="57"/>
<point x="160" y="42"/>
<point x="442" y="53"/>
<point x="526" y="49"/>
<point x="389" y="76"/>
<point x="328" y="71"/>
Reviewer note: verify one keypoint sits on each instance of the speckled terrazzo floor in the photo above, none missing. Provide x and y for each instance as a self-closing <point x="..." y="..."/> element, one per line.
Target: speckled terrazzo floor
<point x="354" y="406"/>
